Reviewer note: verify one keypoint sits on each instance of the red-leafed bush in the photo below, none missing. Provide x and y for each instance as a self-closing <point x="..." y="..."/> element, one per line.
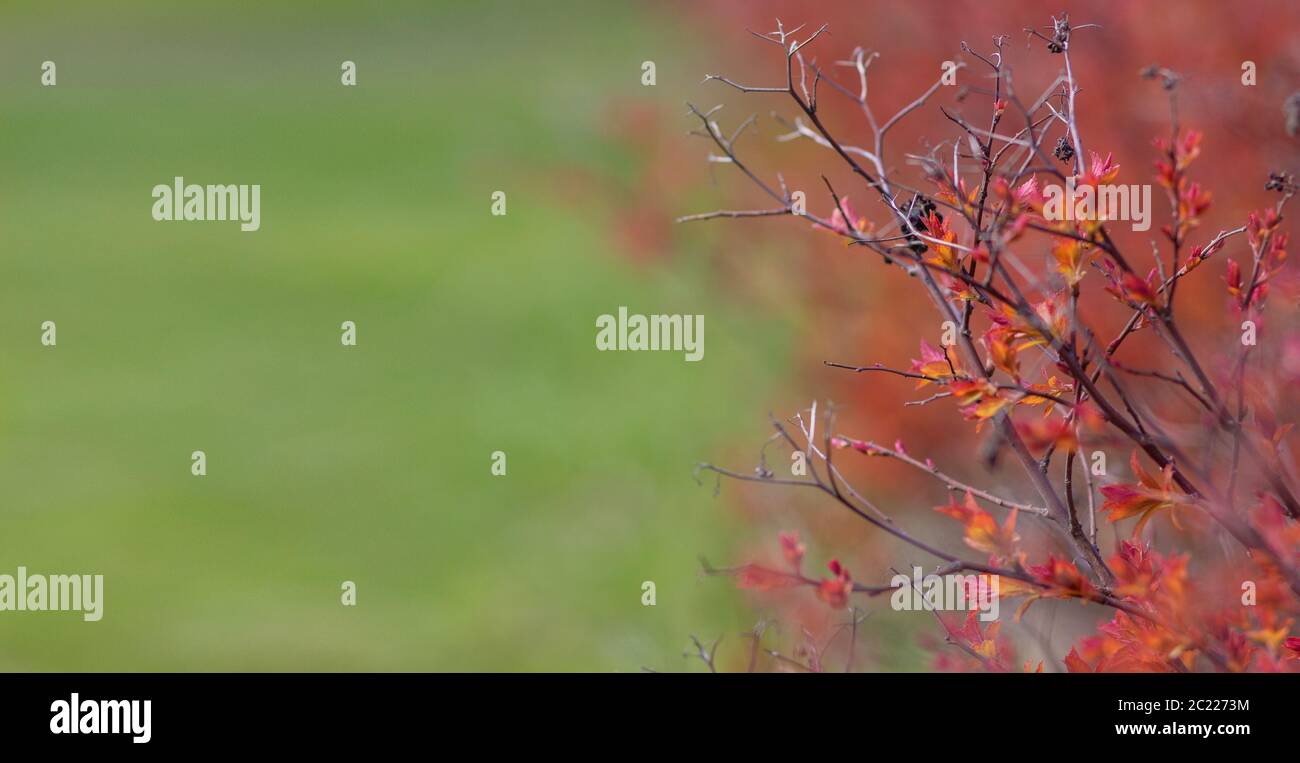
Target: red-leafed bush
<point x="1060" y="341"/>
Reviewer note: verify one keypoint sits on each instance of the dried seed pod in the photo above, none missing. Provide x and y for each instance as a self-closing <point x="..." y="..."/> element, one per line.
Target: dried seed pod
<point x="1063" y="151"/>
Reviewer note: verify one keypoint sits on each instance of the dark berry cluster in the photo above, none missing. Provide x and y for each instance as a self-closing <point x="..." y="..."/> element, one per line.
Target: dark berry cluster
<point x="1062" y="36"/>
<point x="1280" y="181"/>
<point x="922" y="208"/>
<point x="1063" y="151"/>
<point x="1168" y="78"/>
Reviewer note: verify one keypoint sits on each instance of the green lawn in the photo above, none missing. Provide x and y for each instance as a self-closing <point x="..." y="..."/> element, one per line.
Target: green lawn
<point x="327" y="463"/>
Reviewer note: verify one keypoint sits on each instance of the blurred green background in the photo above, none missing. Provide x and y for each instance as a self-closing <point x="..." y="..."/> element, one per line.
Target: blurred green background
<point x="371" y="463"/>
